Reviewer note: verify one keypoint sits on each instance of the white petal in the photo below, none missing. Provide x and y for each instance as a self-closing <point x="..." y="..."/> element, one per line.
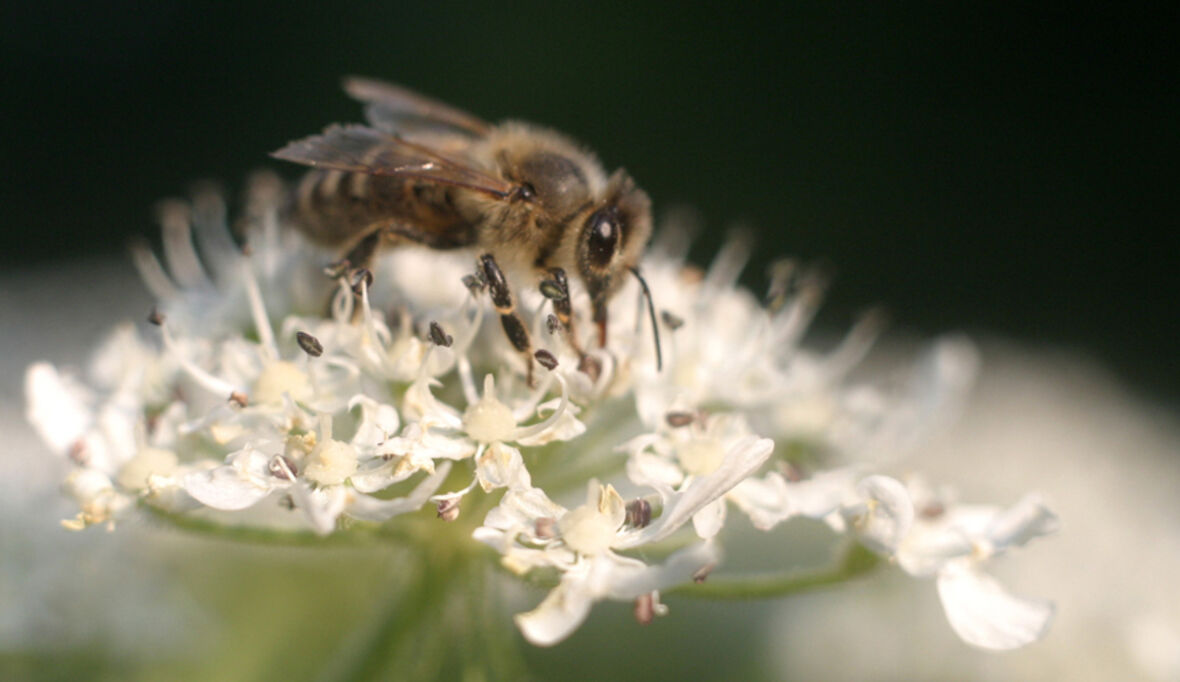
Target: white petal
<point x="764" y="500"/>
<point x="653" y="471"/>
<point x="708" y="521"/>
<point x="969" y="520"/>
<point x="122" y="354"/>
<point x="644" y="441"/>
<point x="945" y="375"/>
<point x="652" y="402"/>
<point x="820" y="495"/>
<point x="224" y="488"/>
<point x="426" y="444"/>
<point x="378" y="421"/>
<point x="492" y="536"/>
<point x="419" y="403"/>
<point x="567" y="426"/>
<point x="772" y="499"/>
<point x="85" y="485"/>
<point x="438" y="446"/>
<point x="1023" y="521"/>
<point x="321" y="506"/>
<point x="521" y="509"/>
<point x="888" y="513"/>
<point x="562" y="611"/>
<point x="369" y="508"/>
<point x="926" y="550"/>
<point x="117" y="423"/>
<point x="743" y="459"/>
<point x="58" y="407"/>
<point x="379" y="475"/>
<point x="629" y="581"/>
<point x="985" y="615"/>
<point x="607" y="576"/>
<point x="501" y="466"/>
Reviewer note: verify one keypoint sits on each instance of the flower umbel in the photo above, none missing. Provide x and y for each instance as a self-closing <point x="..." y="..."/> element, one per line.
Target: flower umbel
<point x="266" y="393"/>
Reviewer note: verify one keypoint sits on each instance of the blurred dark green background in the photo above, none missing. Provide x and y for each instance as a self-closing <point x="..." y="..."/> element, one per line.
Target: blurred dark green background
<point x="969" y="168"/>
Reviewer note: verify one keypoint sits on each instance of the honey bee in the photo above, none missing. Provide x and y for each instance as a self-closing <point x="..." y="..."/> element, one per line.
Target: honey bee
<point x="531" y="200"/>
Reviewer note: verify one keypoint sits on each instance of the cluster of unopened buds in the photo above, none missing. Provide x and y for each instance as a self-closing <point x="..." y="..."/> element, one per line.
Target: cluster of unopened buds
<point x="264" y="393"/>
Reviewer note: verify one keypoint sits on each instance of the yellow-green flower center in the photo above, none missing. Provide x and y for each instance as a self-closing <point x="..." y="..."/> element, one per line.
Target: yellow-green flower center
<point x="278" y="378"/>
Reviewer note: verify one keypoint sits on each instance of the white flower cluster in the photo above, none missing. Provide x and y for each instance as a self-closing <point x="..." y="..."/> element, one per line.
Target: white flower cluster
<point x="269" y="394"/>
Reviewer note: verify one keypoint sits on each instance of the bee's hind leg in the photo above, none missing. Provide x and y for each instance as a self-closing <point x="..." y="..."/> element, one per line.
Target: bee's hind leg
<point x="501" y="295"/>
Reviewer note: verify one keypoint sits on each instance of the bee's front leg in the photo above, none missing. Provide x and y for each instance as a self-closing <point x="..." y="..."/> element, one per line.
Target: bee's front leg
<point x="514" y="327"/>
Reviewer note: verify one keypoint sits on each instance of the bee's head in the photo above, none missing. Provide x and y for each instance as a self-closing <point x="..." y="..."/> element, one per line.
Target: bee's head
<point x="612" y="239"/>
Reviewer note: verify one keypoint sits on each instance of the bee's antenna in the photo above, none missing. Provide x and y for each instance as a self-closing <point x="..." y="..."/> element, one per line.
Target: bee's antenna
<point x="651" y="309"/>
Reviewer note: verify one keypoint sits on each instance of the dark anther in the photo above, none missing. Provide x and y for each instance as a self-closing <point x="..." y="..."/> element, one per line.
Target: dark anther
<point x="545" y="528"/>
<point x="362" y="278"/>
<point x="645" y="609"/>
<point x="702" y="573"/>
<point x="552" y="290"/>
<point x="238" y="399"/>
<point x="591" y="367"/>
<point x="556" y="289"/>
<point x="932" y="510"/>
<point x="552" y="324"/>
<point x="448" y="509"/>
<point x="287" y="502"/>
<point x="439" y="337"/>
<point x="156" y="317"/>
<point x="281" y="466"/>
<point x="474" y="284"/>
<point x="78" y="452"/>
<point x="310" y="344"/>
<point x="678" y="419"/>
<point x="671" y="321"/>
<point x="639" y="513"/>
<point x="546" y="359"/>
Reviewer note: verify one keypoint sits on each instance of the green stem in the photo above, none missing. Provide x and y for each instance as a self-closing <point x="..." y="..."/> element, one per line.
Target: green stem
<point x="855" y="562"/>
<point x="500" y="649"/>
<point x="396" y="623"/>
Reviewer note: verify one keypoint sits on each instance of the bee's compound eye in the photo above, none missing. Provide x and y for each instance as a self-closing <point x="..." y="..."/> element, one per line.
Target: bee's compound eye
<point x="602" y="236"/>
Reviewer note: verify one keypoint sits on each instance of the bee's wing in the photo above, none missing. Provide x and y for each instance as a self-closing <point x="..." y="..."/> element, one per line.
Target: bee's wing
<point x="359" y="149"/>
<point x="395" y="109"/>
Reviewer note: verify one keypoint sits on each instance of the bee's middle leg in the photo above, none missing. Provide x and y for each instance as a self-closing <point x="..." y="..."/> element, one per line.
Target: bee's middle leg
<point x="501" y="295"/>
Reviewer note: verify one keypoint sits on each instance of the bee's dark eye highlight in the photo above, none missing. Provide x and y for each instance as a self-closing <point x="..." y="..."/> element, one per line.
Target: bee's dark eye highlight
<point x="603" y="236"/>
<point x="526" y="192"/>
